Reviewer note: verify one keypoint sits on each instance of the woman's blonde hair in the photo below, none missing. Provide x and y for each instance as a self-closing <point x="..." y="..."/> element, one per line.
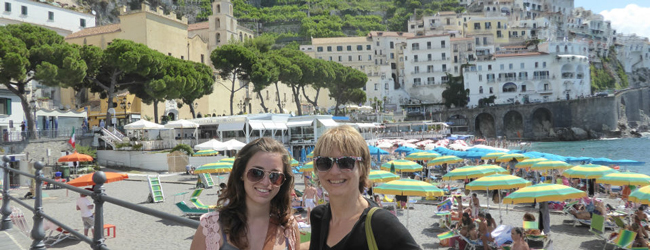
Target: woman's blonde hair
<point x="349" y="142"/>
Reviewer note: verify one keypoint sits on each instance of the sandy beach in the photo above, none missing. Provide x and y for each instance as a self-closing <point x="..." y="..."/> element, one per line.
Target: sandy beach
<point x="140" y="231"/>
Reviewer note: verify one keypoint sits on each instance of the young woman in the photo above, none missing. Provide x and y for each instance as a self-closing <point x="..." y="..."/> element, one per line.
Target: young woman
<point x="342" y="164"/>
<point x="258" y="212"/>
<point x="518" y="242"/>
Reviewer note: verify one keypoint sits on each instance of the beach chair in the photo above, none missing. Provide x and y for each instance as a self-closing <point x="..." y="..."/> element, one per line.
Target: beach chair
<point x="197" y="192"/>
<point x="190" y="212"/>
<point x="198" y="204"/>
<point x="569" y="207"/>
<point x="624" y="240"/>
<point x="445" y="235"/>
<point x="534" y="225"/>
<point x="55" y="234"/>
<point x="471" y="244"/>
<point x="597" y="226"/>
<point x="18" y="219"/>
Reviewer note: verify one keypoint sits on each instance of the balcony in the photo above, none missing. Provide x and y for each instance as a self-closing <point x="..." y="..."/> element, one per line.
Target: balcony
<point x="490" y="80"/>
<point x="541" y="78"/>
<point x="523" y="78"/>
<point x="545" y="91"/>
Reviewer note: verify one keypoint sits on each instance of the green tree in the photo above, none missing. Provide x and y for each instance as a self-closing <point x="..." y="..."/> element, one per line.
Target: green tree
<point x="122" y="64"/>
<point x="455" y="94"/>
<point x="203" y="85"/>
<point x="233" y="62"/>
<point x="291" y="74"/>
<point x="265" y="73"/>
<point x="318" y="73"/>
<point x="347" y="86"/>
<point x="29" y="52"/>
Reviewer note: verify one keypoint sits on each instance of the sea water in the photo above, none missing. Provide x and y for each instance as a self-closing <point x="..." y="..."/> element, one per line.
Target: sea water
<point x="637" y="149"/>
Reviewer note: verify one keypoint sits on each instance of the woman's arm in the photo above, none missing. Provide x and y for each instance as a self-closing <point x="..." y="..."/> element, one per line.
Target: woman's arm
<point x="198" y="242"/>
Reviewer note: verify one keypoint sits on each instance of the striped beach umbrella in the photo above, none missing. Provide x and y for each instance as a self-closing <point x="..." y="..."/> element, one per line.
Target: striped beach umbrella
<point x="421" y="156"/>
<point x="589" y="171"/>
<point x="625" y="178"/>
<point x="444" y="159"/>
<point x="208" y="152"/>
<point x="497" y="181"/>
<point x="214" y="168"/>
<point x="473" y="172"/>
<point x="492" y="156"/>
<point x="402" y="166"/>
<point x="230" y="159"/>
<point x="509" y="157"/>
<point x="378" y="176"/>
<point x="543" y="192"/>
<point x="408" y="187"/>
<point x="641" y="195"/>
<point x="307" y="167"/>
<point x="529" y="162"/>
<point x="294" y="163"/>
<point x="546" y="165"/>
<point x="310" y="155"/>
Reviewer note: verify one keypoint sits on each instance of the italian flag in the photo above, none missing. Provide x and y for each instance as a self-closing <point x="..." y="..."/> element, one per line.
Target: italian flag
<point x="71" y="141"/>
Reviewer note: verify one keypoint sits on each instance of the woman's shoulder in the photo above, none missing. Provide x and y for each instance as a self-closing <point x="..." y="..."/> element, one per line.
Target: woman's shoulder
<point x="210" y="224"/>
<point x="319" y="211"/>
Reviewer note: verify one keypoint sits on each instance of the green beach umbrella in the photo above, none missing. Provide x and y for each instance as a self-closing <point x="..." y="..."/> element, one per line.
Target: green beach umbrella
<point x="473" y="172"/>
<point x="230" y="159"/>
<point x="444" y="159"/>
<point x="377" y="176"/>
<point x="294" y="163"/>
<point x="543" y="192"/>
<point x="310" y="155"/>
<point x="402" y="166"/>
<point x="492" y="156"/>
<point x="589" y="171"/>
<point x="408" y="187"/>
<point x="497" y="181"/>
<point x="218" y="167"/>
<point x="547" y="165"/>
<point x="208" y="152"/>
<point x="625" y="179"/>
<point x="509" y="157"/>
<point x="641" y="195"/>
<point x="529" y="162"/>
<point x="421" y="156"/>
<point x="308" y="167"/>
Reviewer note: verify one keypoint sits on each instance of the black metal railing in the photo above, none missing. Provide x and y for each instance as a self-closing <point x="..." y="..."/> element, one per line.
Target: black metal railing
<point x="98" y="195"/>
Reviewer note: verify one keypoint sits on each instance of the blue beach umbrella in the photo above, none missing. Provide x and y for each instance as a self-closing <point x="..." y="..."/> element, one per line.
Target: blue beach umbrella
<point x="375" y="150"/>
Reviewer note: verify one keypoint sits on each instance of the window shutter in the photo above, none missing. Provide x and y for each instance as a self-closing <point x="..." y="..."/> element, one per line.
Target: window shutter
<point x="8" y="100"/>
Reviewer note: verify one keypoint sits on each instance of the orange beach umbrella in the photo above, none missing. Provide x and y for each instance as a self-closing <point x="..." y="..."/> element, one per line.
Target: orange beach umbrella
<point x="76" y="157"/>
<point x="87" y="180"/>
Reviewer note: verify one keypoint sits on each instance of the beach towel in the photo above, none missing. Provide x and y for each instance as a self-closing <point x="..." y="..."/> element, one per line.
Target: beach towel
<point x="445" y="205"/>
<point x="501" y="234"/>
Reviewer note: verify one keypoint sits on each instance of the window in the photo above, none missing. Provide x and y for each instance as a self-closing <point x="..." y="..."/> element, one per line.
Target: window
<point x="349" y="58"/>
<point x="431" y="80"/>
<point x="480" y="68"/>
<point x="536" y="65"/>
<point x="499" y="35"/>
<point x="359" y="58"/>
<point x="523" y="88"/>
<point x="501" y="67"/>
<point x="376" y="86"/>
<point x="442" y="44"/>
<point x="369" y="57"/>
<point x="444" y="57"/>
<point x="430" y="69"/>
<point x="477" y="26"/>
<point x="392" y="55"/>
<point x="543" y="64"/>
<point x="23" y="10"/>
<point x="415" y="46"/>
<point x="330" y="58"/>
<point x="417" y="81"/>
<point x="429" y="57"/>
<point x="82" y="22"/>
<point x="510" y="66"/>
<point x="5" y="106"/>
<point x="7" y="7"/>
<point x="329" y="48"/>
<point x="480" y="78"/>
<point x="509" y="87"/>
<point x="546" y="86"/>
<point x="523" y="33"/>
<point x="169" y="54"/>
<point x="455" y="69"/>
<point x="368" y="47"/>
<point x="359" y="47"/>
<point x="444" y="79"/>
<point x="480" y="90"/>
<point x="377" y="43"/>
<point x="50" y="16"/>
<point x="488" y="25"/>
<point x="485" y="41"/>
<point x="340" y="58"/>
<point x="489" y="67"/>
<point x="319" y="49"/>
<point x="444" y="67"/>
<point x="416" y="69"/>
<point x="522" y="66"/>
<point x="349" y="47"/>
<point x="415" y="58"/>
<point x="478" y="41"/>
<point x="182" y="57"/>
<point x="491" y="92"/>
<point x="339" y="48"/>
<point x="392" y="45"/>
<point x="202" y="58"/>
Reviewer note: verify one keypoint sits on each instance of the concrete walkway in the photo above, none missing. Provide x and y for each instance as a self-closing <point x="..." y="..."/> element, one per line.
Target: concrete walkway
<point x="13" y="239"/>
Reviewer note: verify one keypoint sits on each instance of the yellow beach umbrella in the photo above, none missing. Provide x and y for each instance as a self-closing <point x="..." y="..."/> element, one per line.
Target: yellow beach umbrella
<point x="625" y="179"/>
<point x="308" y="167"/>
<point x="230" y="159"/>
<point x="589" y="171"/>
<point x="444" y="159"/>
<point x="543" y="192"/>
<point x="492" y="156"/>
<point x="641" y="195"/>
<point x="378" y="176"/>
<point x="509" y="157"/>
<point x="547" y="165"/>
<point x="402" y="166"/>
<point x="473" y="172"/>
<point x="421" y="156"/>
<point x="497" y="181"/>
<point x="529" y="162"/>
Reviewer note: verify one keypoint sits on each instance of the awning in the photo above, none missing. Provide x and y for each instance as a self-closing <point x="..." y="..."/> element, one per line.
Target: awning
<point x="366" y="125"/>
<point x="234" y="126"/>
<point x="328" y="122"/>
<point x="270" y="125"/>
<point x="298" y="124"/>
<point x="280" y="125"/>
<point x="256" y="125"/>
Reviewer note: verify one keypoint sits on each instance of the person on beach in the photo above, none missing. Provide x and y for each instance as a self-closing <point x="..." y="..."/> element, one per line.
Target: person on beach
<point x="640" y="216"/>
<point x="86" y="207"/>
<point x="532" y="231"/>
<point x="258" y="214"/>
<point x="639" y="241"/>
<point x="309" y="199"/>
<point x="475" y="205"/>
<point x="483" y="231"/>
<point x="518" y="242"/>
<point x="342" y="164"/>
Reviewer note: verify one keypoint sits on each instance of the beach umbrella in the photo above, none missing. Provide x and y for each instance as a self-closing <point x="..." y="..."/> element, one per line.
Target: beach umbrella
<point x="473" y="172"/>
<point x="303" y="155"/>
<point x="87" y="180"/>
<point x="495" y="182"/>
<point x="402" y="166"/>
<point x="589" y="171"/>
<point x="546" y="165"/>
<point x="543" y="192"/>
<point x="375" y="150"/>
<point x="214" y="168"/>
<point x="294" y="163"/>
<point x="206" y="153"/>
<point x="75" y="157"/>
<point x="307" y="167"/>
<point x="408" y="187"/>
<point x="382" y="176"/>
<point x="421" y="156"/>
<point x="641" y="195"/>
<point x="492" y="156"/>
<point x="230" y="159"/>
<point x="625" y="178"/>
<point x="310" y="155"/>
<point x="509" y="157"/>
<point x="529" y="162"/>
<point x="444" y="159"/>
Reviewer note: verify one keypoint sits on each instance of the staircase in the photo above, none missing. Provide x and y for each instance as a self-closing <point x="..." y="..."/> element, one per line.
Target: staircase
<point x="111" y="138"/>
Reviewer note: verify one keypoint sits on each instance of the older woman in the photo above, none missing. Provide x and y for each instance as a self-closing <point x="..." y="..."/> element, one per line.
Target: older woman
<point x="342" y="164"/>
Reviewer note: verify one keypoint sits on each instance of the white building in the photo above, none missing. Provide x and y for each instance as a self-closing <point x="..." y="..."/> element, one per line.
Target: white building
<point x="633" y="52"/>
<point x="63" y="21"/>
<point x="11" y="115"/>
<point x="427" y="61"/>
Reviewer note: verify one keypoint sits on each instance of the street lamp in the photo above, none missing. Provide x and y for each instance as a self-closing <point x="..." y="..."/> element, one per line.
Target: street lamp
<point x="124" y="104"/>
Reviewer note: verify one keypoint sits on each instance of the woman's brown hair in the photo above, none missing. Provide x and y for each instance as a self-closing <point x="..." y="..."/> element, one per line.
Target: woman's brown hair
<point x="232" y="213"/>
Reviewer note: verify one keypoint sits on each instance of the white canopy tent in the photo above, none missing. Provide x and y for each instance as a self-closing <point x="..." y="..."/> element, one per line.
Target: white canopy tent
<point x="212" y="144"/>
<point x="234" y="144"/>
<point x="143" y="124"/>
<point x="181" y="124"/>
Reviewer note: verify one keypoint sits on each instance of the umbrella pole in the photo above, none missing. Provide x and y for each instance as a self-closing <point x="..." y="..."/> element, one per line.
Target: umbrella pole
<point x="500" y="215"/>
<point x="487" y="199"/>
<point x="407" y="212"/>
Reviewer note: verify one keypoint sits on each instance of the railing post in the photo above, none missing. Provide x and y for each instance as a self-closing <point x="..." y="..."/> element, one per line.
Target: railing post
<point x="6" y="211"/>
<point x="38" y="233"/>
<point x="98" y="238"/>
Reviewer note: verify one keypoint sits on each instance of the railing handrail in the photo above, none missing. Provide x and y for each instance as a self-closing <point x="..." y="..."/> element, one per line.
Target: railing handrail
<point x="98" y="195"/>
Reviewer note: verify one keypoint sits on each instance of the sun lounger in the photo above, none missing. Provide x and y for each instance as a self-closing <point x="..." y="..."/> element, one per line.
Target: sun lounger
<point x="530" y="237"/>
<point x="55" y="234"/>
<point x="624" y="239"/>
<point x="198" y="204"/>
<point x="190" y="212"/>
<point x="597" y="226"/>
<point x="18" y="219"/>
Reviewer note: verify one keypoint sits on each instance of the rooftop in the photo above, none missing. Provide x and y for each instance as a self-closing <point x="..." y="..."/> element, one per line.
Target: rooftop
<point x="198" y="26"/>
<point x="390" y="34"/>
<point x="95" y="31"/>
<point x="519" y="54"/>
<point x="335" y="40"/>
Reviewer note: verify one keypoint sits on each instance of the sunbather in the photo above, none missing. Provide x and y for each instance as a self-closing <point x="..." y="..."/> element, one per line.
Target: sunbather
<point x="518" y="242"/>
<point x="639" y="241"/>
<point x="484" y="231"/>
<point x="640" y="216"/>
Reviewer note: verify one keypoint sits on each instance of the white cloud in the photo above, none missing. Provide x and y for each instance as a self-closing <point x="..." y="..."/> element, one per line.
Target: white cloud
<point x="631" y="19"/>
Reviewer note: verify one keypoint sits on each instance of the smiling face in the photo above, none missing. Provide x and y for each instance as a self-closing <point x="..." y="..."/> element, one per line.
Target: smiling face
<point x="339" y="182"/>
<point x="263" y="191"/>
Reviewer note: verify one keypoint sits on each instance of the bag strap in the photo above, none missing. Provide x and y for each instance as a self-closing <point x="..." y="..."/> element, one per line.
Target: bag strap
<point x="370" y="237"/>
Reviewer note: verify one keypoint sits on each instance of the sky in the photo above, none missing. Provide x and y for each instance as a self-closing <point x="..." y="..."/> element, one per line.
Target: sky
<point x="627" y="16"/>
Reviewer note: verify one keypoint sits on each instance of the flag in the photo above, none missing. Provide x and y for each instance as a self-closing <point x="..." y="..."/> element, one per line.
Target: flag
<point x="71" y="141"/>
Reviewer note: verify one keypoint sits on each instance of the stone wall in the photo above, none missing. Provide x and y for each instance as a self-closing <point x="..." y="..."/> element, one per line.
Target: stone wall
<point x="150" y="161"/>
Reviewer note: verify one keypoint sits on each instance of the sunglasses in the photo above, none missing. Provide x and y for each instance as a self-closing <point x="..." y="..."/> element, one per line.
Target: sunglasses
<point x="345" y="163"/>
<point x="256" y="175"/>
